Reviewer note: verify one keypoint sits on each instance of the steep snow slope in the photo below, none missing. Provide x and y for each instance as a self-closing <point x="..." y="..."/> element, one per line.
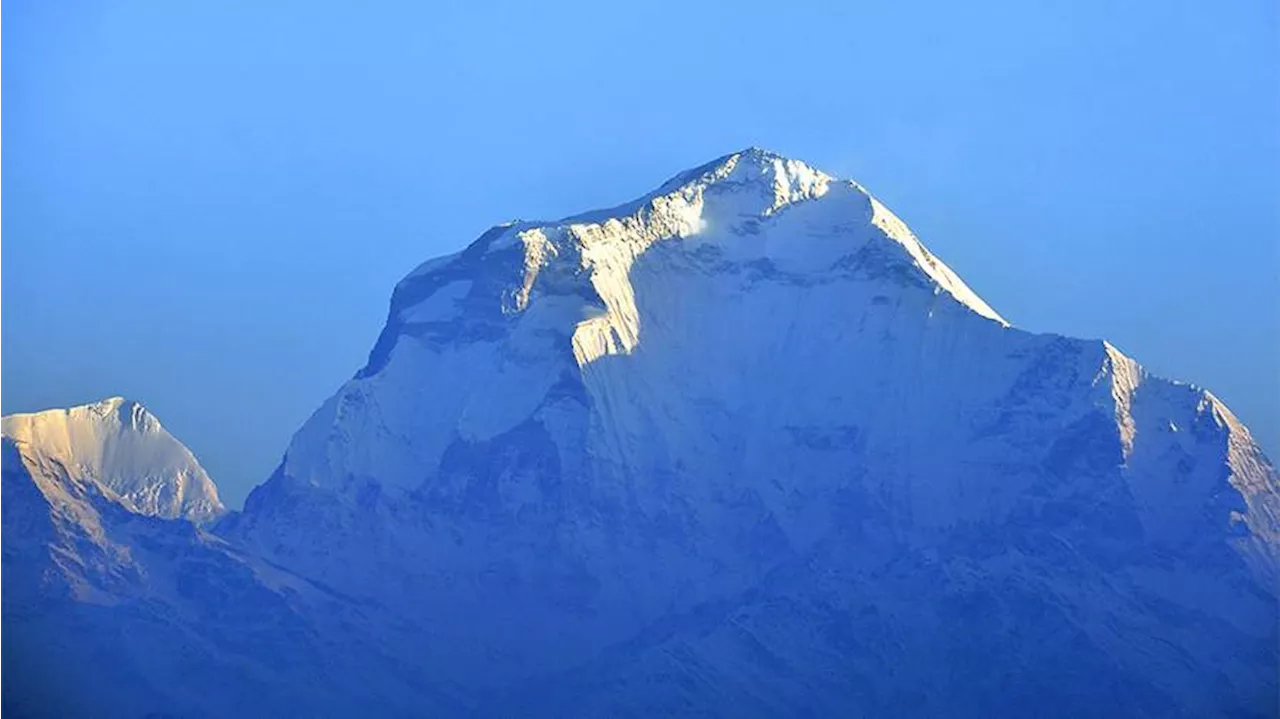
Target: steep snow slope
<point x="120" y="446"/>
<point x="744" y="446"/>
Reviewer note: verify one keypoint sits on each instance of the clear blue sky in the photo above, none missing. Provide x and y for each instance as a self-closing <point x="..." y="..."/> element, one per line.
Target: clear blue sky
<point x="206" y="204"/>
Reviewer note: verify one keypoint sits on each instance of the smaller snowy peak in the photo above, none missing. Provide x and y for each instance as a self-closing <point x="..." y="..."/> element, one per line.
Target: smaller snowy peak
<point x="121" y="447"/>
<point x="1166" y="429"/>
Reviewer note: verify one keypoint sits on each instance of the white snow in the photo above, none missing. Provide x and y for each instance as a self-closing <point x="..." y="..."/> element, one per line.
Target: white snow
<point x="754" y="297"/>
<point x="121" y="446"/>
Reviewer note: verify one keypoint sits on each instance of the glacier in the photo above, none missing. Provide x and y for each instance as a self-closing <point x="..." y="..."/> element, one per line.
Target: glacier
<point x="740" y="447"/>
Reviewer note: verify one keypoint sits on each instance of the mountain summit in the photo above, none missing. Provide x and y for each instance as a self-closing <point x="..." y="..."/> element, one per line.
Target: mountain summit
<point x="748" y="431"/>
<point x="715" y="261"/>
<point x="744" y="447"/>
<point x="121" y="447"/>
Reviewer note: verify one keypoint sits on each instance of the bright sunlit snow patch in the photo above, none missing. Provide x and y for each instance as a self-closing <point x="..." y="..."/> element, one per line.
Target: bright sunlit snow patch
<point x="121" y="446"/>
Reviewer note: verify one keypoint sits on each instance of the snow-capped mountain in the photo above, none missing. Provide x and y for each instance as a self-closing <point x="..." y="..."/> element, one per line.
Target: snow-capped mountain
<point x="119" y="446"/>
<point x="746" y="437"/>
<point x="744" y="447"/>
<point x="114" y="607"/>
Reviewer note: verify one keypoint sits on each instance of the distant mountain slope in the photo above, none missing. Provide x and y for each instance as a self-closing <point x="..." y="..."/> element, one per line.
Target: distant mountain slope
<point x="110" y="612"/>
<point x="120" y="446"/>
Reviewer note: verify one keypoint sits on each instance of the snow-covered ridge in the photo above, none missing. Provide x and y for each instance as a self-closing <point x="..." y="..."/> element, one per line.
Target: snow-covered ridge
<point x="744" y="238"/>
<point x="1156" y="420"/>
<point x="718" y="206"/>
<point x="119" y="445"/>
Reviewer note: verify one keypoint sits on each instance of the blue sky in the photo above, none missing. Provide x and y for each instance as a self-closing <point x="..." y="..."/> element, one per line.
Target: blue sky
<point x="206" y="204"/>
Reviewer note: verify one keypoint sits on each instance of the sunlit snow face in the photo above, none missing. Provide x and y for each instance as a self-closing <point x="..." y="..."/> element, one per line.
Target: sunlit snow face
<point x="753" y="207"/>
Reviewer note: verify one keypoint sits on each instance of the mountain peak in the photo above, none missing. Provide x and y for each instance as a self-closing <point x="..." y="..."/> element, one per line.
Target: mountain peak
<point x="777" y="179"/>
<point x="118" y="445"/>
<point x="753" y="207"/>
<point x="751" y="229"/>
<point x="129" y="413"/>
<point x="758" y="156"/>
<point x="767" y="159"/>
